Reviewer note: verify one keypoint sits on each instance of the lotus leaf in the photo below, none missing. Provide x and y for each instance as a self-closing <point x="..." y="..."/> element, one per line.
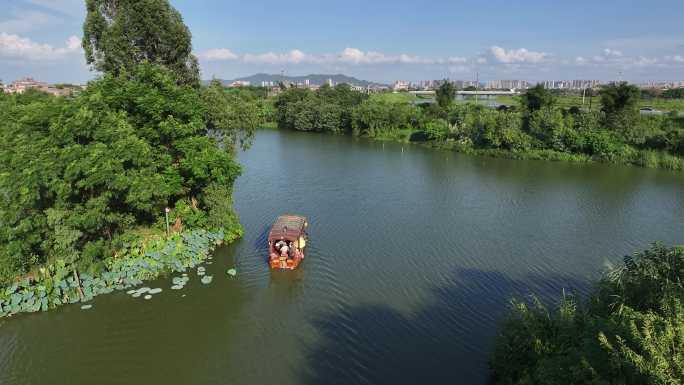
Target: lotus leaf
<point x="11" y="289"/>
<point x="232" y="272"/>
<point x="207" y="279"/>
<point x="86" y="307"/>
<point x="155" y="291"/>
<point x="16" y="298"/>
<point x="148" y="296"/>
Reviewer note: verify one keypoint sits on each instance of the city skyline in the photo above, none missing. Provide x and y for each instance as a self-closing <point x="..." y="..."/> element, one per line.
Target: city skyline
<point x="382" y="42"/>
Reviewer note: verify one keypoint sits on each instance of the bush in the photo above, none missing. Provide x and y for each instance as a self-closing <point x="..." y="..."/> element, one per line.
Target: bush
<point x="631" y="331"/>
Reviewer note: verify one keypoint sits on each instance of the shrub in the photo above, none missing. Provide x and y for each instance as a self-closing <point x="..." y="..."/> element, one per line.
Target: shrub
<point x="630" y="332"/>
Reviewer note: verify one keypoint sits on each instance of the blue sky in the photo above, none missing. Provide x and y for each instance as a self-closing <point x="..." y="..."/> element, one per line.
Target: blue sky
<point x="381" y="40"/>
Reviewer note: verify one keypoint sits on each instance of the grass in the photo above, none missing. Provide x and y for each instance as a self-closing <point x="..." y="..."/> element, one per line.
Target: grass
<point x="394" y="97"/>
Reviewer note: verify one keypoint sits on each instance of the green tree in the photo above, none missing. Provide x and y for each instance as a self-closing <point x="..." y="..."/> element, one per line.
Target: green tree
<point x="445" y="94"/>
<point x="674" y="93"/>
<point x="78" y="173"/>
<point x="619" y="104"/>
<point x="120" y="34"/>
<point x="232" y="117"/>
<point x="537" y="98"/>
<point x="619" y="98"/>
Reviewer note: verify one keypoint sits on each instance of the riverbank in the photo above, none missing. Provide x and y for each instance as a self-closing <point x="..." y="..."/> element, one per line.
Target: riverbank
<point x="539" y="128"/>
<point x="627" y="156"/>
<point x="144" y="258"/>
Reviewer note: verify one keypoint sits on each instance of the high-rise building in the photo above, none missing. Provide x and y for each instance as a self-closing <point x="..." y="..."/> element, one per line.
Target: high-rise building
<point x="401" y="85"/>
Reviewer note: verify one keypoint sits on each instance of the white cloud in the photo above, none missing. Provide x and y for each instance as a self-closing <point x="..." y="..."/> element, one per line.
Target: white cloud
<point x="17" y="47"/>
<point x="353" y="56"/>
<point x="642" y="61"/>
<point x="218" y="54"/>
<point x="73" y="43"/>
<point x="293" y="57"/>
<point x="521" y="55"/>
<point x="356" y="56"/>
<point x="612" y="53"/>
<point x="580" y="60"/>
<point x="678" y="59"/>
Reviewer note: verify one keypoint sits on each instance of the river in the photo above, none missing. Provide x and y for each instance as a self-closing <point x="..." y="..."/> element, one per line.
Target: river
<point x="414" y="254"/>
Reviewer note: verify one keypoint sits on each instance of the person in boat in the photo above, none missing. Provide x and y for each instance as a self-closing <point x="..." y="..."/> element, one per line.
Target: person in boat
<point x="279" y="245"/>
<point x="284" y="250"/>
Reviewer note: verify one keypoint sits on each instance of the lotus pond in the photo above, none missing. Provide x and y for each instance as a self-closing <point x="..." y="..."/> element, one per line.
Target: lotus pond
<point x="58" y="284"/>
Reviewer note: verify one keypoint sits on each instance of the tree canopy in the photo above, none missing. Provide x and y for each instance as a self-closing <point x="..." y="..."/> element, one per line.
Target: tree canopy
<point x="120" y="34"/>
<point x="78" y="173"/>
<point x="445" y="94"/>
<point x="537" y="98"/>
<point x="620" y="97"/>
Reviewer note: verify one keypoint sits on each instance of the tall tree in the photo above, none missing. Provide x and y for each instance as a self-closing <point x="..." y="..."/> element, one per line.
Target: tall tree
<point x="620" y="97"/>
<point x="120" y="34"/>
<point x="620" y="103"/>
<point x="537" y="98"/>
<point x="445" y="94"/>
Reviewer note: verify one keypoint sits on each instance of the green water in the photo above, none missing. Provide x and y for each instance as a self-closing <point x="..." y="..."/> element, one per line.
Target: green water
<point x="413" y="256"/>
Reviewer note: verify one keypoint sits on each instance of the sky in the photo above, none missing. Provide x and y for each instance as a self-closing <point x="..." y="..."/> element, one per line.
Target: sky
<point x="380" y="40"/>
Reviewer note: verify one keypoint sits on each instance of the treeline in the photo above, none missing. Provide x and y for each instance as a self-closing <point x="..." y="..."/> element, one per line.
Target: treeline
<point x="630" y="331"/>
<point x="83" y="178"/>
<point x="537" y="128"/>
<point x="674" y="93"/>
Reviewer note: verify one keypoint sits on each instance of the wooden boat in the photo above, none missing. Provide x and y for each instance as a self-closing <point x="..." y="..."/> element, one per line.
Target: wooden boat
<point x="288" y="230"/>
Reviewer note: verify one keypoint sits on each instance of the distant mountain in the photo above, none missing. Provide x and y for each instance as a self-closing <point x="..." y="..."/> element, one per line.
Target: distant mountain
<point x="314" y="79"/>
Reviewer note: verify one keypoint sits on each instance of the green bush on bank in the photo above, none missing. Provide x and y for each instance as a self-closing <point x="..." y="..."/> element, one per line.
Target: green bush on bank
<point x="630" y="331"/>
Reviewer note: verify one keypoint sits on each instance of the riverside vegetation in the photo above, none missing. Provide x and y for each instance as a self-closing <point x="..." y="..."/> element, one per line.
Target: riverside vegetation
<point x="85" y="180"/>
<point x="630" y="331"/>
<point x="538" y="129"/>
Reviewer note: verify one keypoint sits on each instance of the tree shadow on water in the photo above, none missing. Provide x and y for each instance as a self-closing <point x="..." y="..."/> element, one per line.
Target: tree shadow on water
<point x="447" y="341"/>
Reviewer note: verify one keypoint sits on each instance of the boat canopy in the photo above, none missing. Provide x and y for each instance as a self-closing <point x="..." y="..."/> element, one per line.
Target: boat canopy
<point x="287" y="227"/>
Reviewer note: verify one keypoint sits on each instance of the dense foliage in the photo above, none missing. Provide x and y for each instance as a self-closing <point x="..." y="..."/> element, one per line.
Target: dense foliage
<point x="675" y="93"/>
<point x="76" y="174"/>
<point x="329" y="109"/>
<point x="120" y="34"/>
<point x="538" y="128"/>
<point x="631" y="331"/>
<point x="445" y="94"/>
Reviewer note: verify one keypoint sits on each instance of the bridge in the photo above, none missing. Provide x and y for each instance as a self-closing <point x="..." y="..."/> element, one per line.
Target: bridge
<point x="473" y="93"/>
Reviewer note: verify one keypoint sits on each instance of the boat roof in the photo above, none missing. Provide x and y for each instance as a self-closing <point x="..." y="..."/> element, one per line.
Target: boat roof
<point x="288" y="227"/>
